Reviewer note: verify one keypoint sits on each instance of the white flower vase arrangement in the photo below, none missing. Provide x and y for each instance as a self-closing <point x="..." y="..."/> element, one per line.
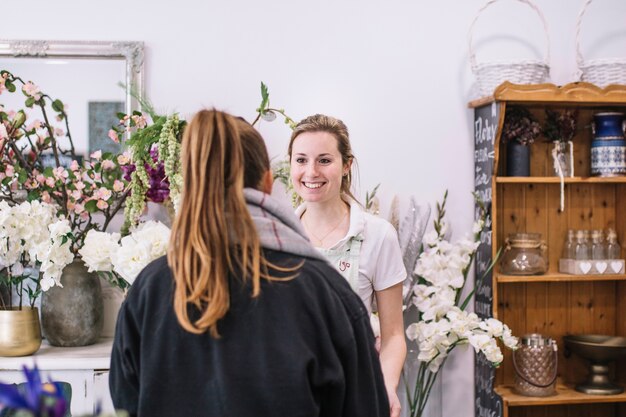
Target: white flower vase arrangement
<point x="436" y="289"/>
<point x="120" y="261"/>
<point x="34" y="249"/>
<point x="31" y="235"/>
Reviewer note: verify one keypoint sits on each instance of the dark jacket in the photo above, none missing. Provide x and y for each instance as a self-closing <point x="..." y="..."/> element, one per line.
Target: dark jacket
<point x="304" y="347"/>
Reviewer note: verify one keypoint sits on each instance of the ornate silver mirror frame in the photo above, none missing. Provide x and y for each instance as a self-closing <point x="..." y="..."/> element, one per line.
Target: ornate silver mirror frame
<point x="131" y="52"/>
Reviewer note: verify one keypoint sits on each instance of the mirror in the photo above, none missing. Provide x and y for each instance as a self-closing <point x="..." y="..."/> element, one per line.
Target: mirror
<point x="93" y="79"/>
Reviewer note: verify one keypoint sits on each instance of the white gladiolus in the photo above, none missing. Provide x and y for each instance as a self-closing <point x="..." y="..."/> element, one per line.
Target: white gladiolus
<point x="443" y="267"/>
<point x="436" y="288"/>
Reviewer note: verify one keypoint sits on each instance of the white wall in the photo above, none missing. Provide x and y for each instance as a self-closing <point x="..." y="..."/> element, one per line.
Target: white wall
<point x="395" y="71"/>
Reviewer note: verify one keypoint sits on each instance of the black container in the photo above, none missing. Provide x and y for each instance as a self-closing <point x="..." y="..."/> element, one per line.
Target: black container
<point x="517" y="159"/>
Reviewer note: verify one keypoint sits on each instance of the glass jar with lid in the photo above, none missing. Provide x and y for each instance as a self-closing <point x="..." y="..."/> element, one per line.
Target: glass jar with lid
<point x="524" y="254"/>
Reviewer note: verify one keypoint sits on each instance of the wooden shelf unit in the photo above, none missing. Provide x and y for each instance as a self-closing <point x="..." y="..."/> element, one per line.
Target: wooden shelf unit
<point x="556" y="304"/>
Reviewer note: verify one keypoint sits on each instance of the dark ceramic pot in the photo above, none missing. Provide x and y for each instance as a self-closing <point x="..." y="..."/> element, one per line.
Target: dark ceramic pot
<point x="517" y="159"/>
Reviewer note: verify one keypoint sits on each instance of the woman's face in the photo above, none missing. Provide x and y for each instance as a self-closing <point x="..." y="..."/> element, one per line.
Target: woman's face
<point x="316" y="167"/>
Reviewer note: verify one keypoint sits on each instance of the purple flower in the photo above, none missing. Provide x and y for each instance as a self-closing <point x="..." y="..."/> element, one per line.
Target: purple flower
<point x="32" y="396"/>
<point x="128" y="169"/>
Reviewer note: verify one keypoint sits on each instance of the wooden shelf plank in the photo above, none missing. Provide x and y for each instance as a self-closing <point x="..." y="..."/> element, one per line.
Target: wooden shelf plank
<point x="558" y="277"/>
<point x="578" y="93"/>
<point x="557" y="180"/>
<point x="565" y="394"/>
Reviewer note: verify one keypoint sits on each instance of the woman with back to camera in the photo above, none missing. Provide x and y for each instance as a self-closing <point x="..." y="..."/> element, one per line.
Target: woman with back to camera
<point x="243" y="317"/>
<point x="363" y="247"/>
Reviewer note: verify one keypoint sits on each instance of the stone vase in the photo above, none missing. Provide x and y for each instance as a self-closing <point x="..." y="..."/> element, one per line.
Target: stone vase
<point x="73" y="315"/>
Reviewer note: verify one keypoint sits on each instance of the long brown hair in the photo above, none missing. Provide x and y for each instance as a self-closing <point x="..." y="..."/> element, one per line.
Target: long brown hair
<point x="213" y="234"/>
<point x="337" y="128"/>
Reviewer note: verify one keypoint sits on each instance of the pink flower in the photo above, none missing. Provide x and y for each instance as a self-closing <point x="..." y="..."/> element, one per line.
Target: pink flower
<point x="114" y="136"/>
<point x="36" y="124"/>
<point x="9" y="170"/>
<point x="77" y="194"/>
<point x="102" y="193"/>
<point x="107" y="164"/>
<point x="79" y="208"/>
<point x="96" y="155"/>
<point x="50" y="181"/>
<point x="80" y="185"/>
<point x="31" y="90"/>
<point x="60" y="173"/>
<point x="84" y="215"/>
<point x="140" y="121"/>
<point x="118" y="186"/>
<point x="74" y="165"/>
<point x="124" y="158"/>
<point x="45" y="197"/>
<point x="40" y="178"/>
<point x="59" y="132"/>
<point x="3" y="131"/>
<point x="70" y="205"/>
<point x="2" y="176"/>
<point x="102" y="204"/>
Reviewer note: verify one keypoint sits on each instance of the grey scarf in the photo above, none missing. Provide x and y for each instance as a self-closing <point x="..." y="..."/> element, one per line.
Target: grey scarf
<point x="277" y="225"/>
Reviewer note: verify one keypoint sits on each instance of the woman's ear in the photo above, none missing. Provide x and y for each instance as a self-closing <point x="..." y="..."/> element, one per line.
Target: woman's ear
<point x="267" y="182"/>
<point x="346" y="167"/>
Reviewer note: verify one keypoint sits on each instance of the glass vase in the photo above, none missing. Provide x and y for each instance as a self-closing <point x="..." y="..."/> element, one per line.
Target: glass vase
<point x="430" y="400"/>
<point x="562" y="156"/>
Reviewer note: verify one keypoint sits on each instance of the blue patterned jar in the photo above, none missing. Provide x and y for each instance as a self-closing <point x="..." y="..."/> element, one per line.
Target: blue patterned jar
<point x="608" y="147"/>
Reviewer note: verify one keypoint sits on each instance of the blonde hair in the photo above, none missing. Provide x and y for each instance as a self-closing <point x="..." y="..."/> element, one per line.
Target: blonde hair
<point x="213" y="234"/>
<point x="337" y="128"/>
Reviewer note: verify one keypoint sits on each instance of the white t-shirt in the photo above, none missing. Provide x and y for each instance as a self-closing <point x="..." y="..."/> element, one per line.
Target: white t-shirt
<point x="380" y="260"/>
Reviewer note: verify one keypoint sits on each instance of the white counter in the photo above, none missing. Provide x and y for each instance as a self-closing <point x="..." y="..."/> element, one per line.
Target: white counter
<point x="85" y="368"/>
<point x="96" y="357"/>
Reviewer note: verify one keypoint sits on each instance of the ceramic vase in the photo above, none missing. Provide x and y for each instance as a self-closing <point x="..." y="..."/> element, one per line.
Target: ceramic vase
<point x="517" y="159"/>
<point x="73" y="315"/>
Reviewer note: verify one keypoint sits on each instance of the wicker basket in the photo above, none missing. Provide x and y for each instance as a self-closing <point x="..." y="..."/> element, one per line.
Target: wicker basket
<point x="489" y="75"/>
<point x="601" y="72"/>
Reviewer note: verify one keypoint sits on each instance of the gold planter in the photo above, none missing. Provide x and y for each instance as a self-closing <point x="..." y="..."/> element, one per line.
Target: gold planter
<point x="20" y="333"/>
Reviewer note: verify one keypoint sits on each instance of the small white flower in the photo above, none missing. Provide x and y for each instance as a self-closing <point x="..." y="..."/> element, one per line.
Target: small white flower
<point x="478" y="226"/>
<point x="493" y="327"/>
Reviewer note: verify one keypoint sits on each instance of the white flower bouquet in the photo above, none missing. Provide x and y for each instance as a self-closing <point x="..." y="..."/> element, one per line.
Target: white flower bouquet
<point x="31" y="235"/>
<point x="120" y="261"/>
<point x="436" y="289"/>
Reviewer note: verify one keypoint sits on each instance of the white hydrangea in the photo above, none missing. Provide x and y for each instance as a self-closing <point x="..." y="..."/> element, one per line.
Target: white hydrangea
<point x="97" y="250"/>
<point x="131" y="258"/>
<point x="147" y="242"/>
<point x="155" y="234"/>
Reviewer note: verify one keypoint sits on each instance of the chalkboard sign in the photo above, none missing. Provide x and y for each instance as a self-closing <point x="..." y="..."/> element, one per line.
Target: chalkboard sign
<point x="487" y="402"/>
